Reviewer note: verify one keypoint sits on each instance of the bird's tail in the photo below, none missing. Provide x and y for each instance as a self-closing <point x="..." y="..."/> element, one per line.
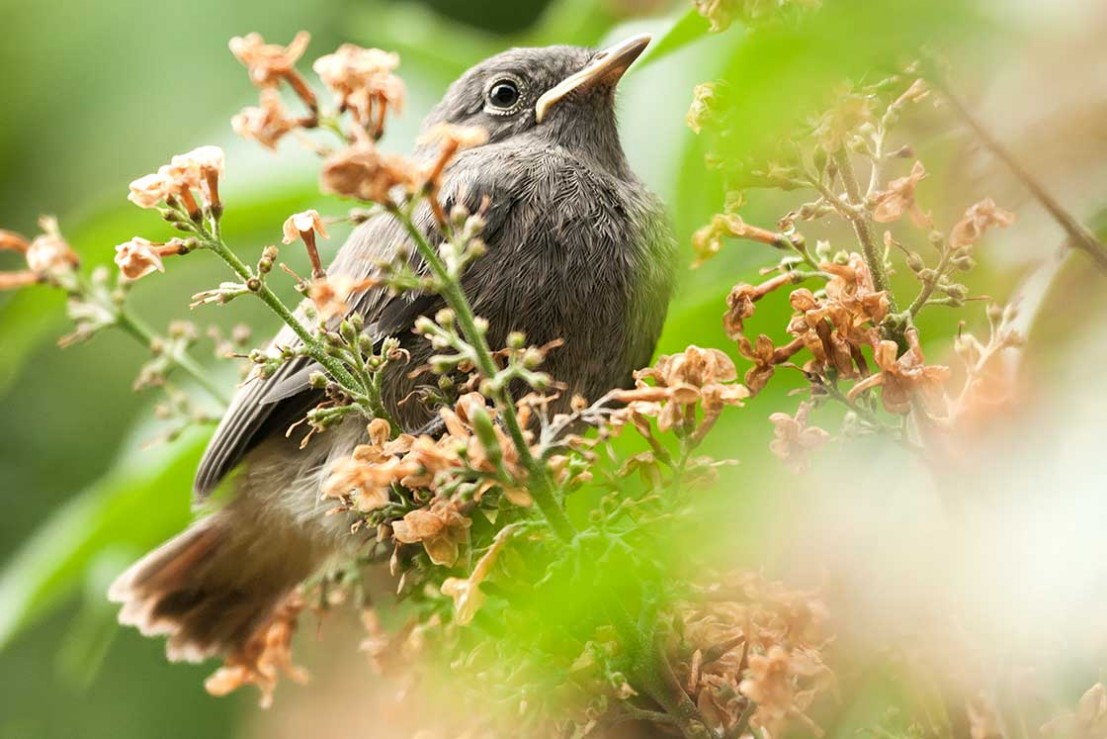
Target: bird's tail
<point x="212" y="587"/>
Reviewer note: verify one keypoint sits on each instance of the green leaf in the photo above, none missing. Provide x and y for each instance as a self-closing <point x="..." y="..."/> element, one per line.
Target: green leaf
<point x="573" y="22"/>
<point x="688" y="28"/>
<point x="435" y="44"/>
<point x="142" y="501"/>
<point x="782" y="73"/>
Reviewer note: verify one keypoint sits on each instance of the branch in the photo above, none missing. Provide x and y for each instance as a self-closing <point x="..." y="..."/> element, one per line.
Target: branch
<point x="873" y="256"/>
<point x="142" y="333"/>
<point x="1080" y="236"/>
<point x="540" y="487"/>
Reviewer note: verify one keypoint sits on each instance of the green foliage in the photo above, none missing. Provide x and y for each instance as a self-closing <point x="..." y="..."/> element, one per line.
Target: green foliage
<point x="130" y="510"/>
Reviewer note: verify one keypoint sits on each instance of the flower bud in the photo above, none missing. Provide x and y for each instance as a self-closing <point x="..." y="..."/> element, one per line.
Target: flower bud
<point x="956" y="291"/>
<point x="485" y="431"/>
<point x="964" y="263"/>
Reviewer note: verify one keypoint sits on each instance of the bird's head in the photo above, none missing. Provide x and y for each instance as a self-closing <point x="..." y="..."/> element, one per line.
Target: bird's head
<point x="556" y="95"/>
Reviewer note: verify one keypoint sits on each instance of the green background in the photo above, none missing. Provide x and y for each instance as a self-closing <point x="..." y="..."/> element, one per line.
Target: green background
<point x="98" y="92"/>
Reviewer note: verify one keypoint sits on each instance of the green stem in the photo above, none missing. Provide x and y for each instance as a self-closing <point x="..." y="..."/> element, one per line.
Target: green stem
<point x="314" y="350"/>
<point x="145" y="336"/>
<point x="928" y="287"/>
<point x="873" y="256"/>
<point x="651" y="671"/>
<point x="450" y="290"/>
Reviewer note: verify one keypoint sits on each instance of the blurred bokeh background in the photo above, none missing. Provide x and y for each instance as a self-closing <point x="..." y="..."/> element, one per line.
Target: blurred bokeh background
<point x="97" y="92"/>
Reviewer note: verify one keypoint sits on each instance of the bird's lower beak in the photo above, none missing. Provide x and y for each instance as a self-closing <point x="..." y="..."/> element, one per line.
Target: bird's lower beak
<point x="607" y="67"/>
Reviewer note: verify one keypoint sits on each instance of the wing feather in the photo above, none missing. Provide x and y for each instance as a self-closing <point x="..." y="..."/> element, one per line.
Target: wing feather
<point x="262" y="407"/>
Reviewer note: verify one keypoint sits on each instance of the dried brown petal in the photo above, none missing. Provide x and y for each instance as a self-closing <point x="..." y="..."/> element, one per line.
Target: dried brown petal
<point x="298" y="224"/>
<point x="364" y="173"/>
<point x="137" y="258"/>
<point x="899" y="198"/>
<point x="267" y="124"/>
<point x="978" y="219"/>
<point x="441" y="529"/>
<point x="268" y="63"/>
<point x="49" y="255"/>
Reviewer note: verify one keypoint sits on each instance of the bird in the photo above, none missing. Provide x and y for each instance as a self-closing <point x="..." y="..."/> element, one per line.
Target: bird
<point x="578" y="250"/>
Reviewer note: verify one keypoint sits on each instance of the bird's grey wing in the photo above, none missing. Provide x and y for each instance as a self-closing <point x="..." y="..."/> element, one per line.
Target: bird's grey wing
<point x="262" y="407"/>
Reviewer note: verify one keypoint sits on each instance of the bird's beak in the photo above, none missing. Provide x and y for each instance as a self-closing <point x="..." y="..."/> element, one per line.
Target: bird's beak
<point x="607" y="67"/>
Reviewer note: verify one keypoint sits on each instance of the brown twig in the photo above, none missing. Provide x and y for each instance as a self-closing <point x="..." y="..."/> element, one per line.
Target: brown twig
<point x="1080" y="236"/>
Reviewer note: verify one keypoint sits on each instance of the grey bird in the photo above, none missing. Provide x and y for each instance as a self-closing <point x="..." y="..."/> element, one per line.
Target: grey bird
<point x="578" y="250"/>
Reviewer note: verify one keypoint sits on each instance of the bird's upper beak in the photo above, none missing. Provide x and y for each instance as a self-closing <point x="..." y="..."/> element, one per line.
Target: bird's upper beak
<point x="607" y="67"/>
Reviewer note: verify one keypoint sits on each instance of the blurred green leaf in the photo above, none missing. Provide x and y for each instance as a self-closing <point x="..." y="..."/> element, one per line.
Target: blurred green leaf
<point x="783" y="72"/>
<point x="573" y="22"/>
<point x="438" y="45"/>
<point x="687" y="29"/>
<point x="134" y="507"/>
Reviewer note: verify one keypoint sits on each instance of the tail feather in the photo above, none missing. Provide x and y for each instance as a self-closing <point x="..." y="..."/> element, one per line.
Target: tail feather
<point x="208" y="589"/>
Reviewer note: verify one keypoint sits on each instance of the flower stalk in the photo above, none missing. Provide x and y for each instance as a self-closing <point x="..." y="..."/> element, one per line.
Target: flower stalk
<point x="450" y="289"/>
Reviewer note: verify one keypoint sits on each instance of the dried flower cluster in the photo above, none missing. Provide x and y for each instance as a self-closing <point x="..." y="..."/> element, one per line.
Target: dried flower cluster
<point x="49" y="257"/>
<point x="751" y="654"/>
<point x="265" y="658"/>
<point x="849" y="337"/>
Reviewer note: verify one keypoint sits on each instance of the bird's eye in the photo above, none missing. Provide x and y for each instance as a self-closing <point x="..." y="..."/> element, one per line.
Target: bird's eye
<point x="503" y="95"/>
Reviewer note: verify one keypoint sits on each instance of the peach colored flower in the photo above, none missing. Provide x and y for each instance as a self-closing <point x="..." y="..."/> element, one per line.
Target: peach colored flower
<point x="794" y="440"/>
<point x="151" y="190"/>
<point x="137" y="258"/>
<point x="764" y="642"/>
<point x="363" y="83"/>
<point x="49" y="254"/>
<point x="441" y="528"/>
<point x="772" y="682"/>
<point x="696" y="375"/>
<point x="364" y="173"/>
<point x="978" y="219"/>
<point x="16" y="280"/>
<point x="10" y="240"/>
<point x="903" y="378"/>
<point x="366" y="483"/>
<point x="694" y="366"/>
<point x="190" y="168"/>
<point x="899" y="198"/>
<point x="740" y="302"/>
<point x="331" y="293"/>
<point x="268" y="63"/>
<point x="298" y="224"/>
<point x="351" y="67"/>
<point x="264" y="657"/>
<point x="267" y="124"/>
